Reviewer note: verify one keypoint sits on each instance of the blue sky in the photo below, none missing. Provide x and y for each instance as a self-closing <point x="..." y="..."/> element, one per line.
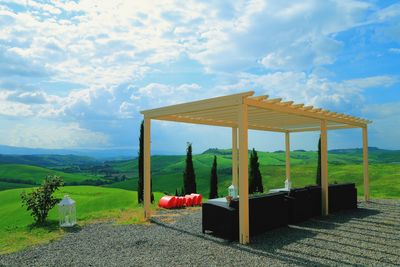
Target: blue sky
<point x="75" y="74"/>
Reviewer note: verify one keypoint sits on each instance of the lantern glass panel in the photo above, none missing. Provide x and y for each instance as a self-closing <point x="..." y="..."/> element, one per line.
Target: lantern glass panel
<point x="67" y="212"/>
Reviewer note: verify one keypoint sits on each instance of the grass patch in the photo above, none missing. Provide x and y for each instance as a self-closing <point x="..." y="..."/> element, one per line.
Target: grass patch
<point x="94" y="204"/>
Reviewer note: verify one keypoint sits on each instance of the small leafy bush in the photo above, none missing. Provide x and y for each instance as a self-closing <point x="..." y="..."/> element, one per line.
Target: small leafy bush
<point x="41" y="200"/>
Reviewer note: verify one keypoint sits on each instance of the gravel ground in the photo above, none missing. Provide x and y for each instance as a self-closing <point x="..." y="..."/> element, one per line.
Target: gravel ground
<point x="369" y="236"/>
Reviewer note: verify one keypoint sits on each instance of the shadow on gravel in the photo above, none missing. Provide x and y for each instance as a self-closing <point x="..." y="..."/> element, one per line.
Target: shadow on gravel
<point x="339" y="234"/>
<point x="74" y="229"/>
<point x="384" y="204"/>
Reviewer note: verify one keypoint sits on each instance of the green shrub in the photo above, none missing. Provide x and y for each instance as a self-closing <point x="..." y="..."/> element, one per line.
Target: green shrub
<point x="41" y="200"/>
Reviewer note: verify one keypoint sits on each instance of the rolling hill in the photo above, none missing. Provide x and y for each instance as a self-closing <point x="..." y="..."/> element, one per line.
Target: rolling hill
<point x="27" y="176"/>
<point x="48" y="160"/>
<point x="344" y="165"/>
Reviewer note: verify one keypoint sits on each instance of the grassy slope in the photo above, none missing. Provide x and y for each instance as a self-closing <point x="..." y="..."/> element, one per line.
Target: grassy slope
<point x="93" y="203"/>
<point x="47" y="160"/>
<point x="343" y="167"/>
<point x="34" y="173"/>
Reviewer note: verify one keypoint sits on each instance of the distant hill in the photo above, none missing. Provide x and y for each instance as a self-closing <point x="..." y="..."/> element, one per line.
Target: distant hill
<point x="102" y="154"/>
<point x="94" y="153"/>
<point x="48" y="160"/>
<point x="344" y="165"/>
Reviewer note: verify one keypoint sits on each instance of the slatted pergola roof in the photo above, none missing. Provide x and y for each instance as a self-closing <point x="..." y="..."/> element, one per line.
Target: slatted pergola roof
<point x="242" y="112"/>
<point x="263" y="114"/>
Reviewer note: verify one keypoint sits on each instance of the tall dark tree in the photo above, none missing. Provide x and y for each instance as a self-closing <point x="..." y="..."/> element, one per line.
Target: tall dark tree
<point x="214" y="180"/>
<point x="255" y="183"/>
<point x="140" y="165"/>
<point x="140" y="188"/>
<point x="189" y="177"/>
<point x="318" y="176"/>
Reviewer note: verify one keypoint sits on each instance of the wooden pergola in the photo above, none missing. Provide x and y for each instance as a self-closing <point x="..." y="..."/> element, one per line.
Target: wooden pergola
<point x="242" y="112"/>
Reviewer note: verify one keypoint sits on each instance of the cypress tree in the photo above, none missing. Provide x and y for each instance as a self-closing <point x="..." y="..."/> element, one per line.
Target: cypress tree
<point x="140" y="165"/>
<point x="255" y="183"/>
<point x="318" y="176"/>
<point x="214" y="180"/>
<point x="140" y="189"/>
<point x="189" y="177"/>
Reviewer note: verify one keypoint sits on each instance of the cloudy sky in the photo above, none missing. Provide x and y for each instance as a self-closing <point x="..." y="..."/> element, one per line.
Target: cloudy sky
<point x="75" y="74"/>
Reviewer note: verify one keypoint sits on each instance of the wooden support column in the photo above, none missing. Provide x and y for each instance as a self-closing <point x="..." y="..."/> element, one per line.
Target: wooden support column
<point x="287" y="145"/>
<point x="234" y="157"/>
<point x="244" y="235"/>
<point x="324" y="168"/>
<point x="147" y="171"/>
<point x="365" y="161"/>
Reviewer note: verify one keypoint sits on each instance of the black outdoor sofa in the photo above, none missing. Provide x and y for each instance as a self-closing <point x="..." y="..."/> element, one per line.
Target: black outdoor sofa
<point x="265" y="212"/>
<point x="273" y="210"/>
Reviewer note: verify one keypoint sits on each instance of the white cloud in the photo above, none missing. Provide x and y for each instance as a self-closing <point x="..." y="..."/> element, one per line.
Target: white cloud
<point x="54" y="135"/>
<point x="385" y="128"/>
<point x="279" y="35"/>
<point x="310" y="89"/>
<point x="394" y="50"/>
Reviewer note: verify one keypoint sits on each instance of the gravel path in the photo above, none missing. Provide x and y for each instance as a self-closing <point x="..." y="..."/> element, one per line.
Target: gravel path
<point x="369" y="236"/>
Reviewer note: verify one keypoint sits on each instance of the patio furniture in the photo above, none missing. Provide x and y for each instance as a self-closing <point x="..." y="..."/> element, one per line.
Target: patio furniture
<point x="342" y="197"/>
<point x="314" y="192"/>
<point x="300" y="205"/>
<point x="266" y="212"/>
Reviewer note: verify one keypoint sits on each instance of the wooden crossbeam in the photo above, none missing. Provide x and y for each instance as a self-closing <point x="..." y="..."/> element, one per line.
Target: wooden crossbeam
<point x="207" y="104"/>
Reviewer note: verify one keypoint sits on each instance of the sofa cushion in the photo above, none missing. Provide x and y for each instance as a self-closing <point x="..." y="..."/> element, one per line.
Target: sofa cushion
<point x="300" y="206"/>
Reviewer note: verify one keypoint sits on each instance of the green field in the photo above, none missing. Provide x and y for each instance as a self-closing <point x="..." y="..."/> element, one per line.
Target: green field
<point x="34" y="175"/>
<point x="118" y="201"/>
<point x="343" y="167"/>
<point x="93" y="204"/>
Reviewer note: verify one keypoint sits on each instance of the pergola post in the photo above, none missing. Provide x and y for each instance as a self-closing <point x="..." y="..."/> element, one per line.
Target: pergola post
<point x="287" y="145"/>
<point x="244" y="236"/>
<point x="324" y="168"/>
<point x="365" y="162"/>
<point x="146" y="161"/>
<point x="234" y="158"/>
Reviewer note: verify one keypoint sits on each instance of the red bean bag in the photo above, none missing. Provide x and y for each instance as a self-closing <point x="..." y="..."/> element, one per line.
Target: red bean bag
<point x="167" y="202"/>
<point x="188" y="200"/>
<point x="197" y="199"/>
<point x="181" y="202"/>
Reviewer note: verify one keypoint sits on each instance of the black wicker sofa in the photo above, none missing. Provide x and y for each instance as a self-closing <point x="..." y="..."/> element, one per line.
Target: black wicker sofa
<point x="266" y="212"/>
<point x="269" y="211"/>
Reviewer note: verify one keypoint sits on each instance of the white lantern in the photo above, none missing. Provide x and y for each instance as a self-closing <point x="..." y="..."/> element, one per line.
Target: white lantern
<point x="288" y="184"/>
<point x="67" y="212"/>
<point x="232" y="191"/>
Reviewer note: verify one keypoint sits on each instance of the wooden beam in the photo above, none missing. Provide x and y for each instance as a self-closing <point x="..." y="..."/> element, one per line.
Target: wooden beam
<point x="235" y="158"/>
<point x="302" y="122"/>
<point x="147" y="170"/>
<point x="273" y="100"/>
<point x="261" y="127"/>
<point x="365" y="162"/>
<point x="324" y="168"/>
<point x="223" y="110"/>
<point x="287" y="146"/>
<point x="261" y="97"/>
<point x="244" y="234"/>
<point x="313" y="129"/>
<point x="197" y="121"/>
<point x="229" y="124"/>
<point x="201" y="105"/>
<point x="314" y="113"/>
